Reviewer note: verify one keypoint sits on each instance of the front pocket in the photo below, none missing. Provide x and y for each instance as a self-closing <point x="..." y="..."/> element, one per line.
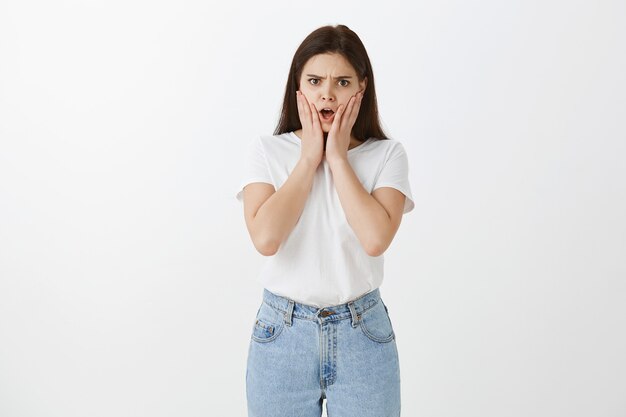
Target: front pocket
<point x="268" y="324"/>
<point x="376" y="325"/>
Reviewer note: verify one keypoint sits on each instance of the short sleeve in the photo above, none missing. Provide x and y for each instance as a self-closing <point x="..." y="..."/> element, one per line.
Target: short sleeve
<point x="255" y="167"/>
<point x="395" y="174"/>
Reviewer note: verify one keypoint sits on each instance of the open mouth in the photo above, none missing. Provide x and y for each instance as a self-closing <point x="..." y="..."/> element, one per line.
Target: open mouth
<point x="327" y="114"/>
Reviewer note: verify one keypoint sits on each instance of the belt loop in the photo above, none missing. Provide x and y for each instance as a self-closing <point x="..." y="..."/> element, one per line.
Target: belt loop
<point x="289" y="313"/>
<point x="355" y="316"/>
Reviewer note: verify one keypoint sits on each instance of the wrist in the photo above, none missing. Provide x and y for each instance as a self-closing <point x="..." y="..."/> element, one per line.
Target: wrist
<point x="308" y="163"/>
<point x="337" y="160"/>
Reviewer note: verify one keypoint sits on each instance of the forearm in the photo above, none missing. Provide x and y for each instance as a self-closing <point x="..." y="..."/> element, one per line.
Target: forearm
<point x="277" y="217"/>
<point x="367" y="217"/>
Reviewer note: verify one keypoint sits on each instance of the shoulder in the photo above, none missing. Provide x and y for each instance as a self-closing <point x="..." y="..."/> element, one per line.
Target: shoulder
<point x="271" y="144"/>
<point x="387" y="148"/>
<point x="282" y="141"/>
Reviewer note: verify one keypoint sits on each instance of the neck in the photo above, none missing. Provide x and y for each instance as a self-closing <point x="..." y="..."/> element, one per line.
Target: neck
<point x="353" y="141"/>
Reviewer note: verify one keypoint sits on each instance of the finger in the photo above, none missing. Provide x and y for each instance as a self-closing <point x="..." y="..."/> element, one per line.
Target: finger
<point x="302" y="110"/>
<point x="337" y="121"/>
<point x="305" y="120"/>
<point x="299" y="103"/>
<point x="345" y="113"/>
<point x="354" y="114"/>
<point x="306" y="106"/>
<point x="315" y="116"/>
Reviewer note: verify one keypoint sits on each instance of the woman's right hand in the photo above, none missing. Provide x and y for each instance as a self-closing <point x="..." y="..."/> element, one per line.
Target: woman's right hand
<point x="312" y="149"/>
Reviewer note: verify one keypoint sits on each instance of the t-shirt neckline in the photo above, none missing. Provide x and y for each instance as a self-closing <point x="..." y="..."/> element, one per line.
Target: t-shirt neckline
<point x="293" y="135"/>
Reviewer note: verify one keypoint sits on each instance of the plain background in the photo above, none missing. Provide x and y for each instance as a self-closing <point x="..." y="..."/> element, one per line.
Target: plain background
<point x="127" y="277"/>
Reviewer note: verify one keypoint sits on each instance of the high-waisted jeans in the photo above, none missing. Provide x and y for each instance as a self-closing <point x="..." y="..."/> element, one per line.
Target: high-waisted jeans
<point x="300" y="354"/>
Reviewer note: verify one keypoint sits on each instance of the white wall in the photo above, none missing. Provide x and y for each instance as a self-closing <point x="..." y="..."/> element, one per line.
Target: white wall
<point x="127" y="278"/>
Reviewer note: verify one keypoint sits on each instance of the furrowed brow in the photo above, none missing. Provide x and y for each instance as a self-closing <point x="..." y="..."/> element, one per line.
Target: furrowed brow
<point x="323" y="78"/>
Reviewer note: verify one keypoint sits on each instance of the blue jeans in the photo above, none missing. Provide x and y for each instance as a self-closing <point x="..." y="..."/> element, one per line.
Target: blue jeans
<point x="300" y="354"/>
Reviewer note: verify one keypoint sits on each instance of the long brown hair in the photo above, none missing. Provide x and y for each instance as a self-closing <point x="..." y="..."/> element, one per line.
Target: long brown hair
<point x="333" y="39"/>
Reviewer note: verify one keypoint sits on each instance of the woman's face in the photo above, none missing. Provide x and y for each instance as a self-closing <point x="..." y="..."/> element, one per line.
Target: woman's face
<point x="327" y="81"/>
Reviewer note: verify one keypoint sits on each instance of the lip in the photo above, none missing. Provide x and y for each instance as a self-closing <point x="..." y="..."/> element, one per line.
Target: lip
<point x="329" y="119"/>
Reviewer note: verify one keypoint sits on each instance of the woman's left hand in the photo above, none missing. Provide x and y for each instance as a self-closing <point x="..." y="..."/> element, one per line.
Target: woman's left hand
<point x="340" y="132"/>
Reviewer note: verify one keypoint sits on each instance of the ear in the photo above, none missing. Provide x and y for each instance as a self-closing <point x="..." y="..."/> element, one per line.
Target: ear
<point x="363" y="84"/>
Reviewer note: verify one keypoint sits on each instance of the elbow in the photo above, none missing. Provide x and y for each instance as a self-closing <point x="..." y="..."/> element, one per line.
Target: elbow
<point x="267" y="250"/>
<point x="263" y="240"/>
<point x="375" y="248"/>
<point x="266" y="247"/>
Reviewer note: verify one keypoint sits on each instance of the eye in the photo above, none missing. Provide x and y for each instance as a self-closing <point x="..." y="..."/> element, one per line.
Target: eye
<point x="346" y="84"/>
<point x="313" y="79"/>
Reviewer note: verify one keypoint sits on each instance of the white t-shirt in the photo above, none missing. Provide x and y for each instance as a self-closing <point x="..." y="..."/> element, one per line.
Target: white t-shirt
<point x="322" y="262"/>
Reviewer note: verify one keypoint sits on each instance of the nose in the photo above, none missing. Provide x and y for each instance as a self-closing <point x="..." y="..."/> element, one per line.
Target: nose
<point x="328" y="94"/>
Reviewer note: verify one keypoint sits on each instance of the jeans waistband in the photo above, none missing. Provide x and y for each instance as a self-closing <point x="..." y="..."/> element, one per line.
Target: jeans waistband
<point x="352" y="309"/>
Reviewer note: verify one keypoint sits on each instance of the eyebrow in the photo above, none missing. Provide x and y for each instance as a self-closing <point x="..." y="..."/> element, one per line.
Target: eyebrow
<point x="323" y="78"/>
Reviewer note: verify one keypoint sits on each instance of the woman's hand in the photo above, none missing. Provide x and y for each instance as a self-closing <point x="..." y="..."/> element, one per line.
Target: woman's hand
<point x="312" y="147"/>
<point x="341" y="130"/>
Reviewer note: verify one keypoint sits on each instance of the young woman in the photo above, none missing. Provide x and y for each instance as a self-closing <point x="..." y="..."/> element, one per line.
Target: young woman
<point x="323" y="198"/>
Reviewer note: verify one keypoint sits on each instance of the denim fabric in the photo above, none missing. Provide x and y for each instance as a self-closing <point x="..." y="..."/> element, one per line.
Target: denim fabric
<point x="300" y="354"/>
